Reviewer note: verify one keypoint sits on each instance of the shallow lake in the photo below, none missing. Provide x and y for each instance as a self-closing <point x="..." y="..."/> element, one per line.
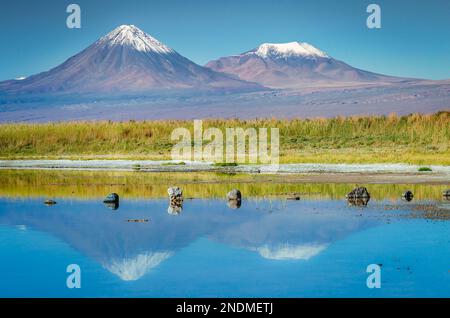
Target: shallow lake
<point x="318" y="246"/>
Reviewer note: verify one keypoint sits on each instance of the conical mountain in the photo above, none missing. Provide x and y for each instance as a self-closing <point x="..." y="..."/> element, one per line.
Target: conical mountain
<point x="127" y="60"/>
<point x="293" y="65"/>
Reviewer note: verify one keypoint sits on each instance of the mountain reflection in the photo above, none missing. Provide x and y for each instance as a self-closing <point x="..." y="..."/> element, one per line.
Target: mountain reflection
<point x="297" y="230"/>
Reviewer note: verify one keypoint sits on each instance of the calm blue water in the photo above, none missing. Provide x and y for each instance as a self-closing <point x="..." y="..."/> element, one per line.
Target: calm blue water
<point x="306" y="248"/>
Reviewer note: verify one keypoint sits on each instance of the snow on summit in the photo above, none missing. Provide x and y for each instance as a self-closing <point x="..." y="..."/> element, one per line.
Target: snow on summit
<point x="291" y="49"/>
<point x="126" y="61"/>
<point x="130" y="35"/>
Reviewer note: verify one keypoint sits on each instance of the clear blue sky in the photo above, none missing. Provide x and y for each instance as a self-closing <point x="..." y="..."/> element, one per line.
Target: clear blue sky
<point x="414" y="40"/>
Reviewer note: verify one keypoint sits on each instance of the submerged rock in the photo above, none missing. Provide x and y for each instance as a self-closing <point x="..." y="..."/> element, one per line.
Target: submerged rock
<point x="408" y="195"/>
<point x="356" y="193"/>
<point x="137" y="220"/>
<point x="49" y="202"/>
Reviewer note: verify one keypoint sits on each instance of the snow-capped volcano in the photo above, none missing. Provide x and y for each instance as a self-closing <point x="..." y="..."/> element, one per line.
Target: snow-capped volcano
<point x="130" y="269"/>
<point x="293" y="65"/>
<point x="284" y="50"/>
<point x="130" y="35"/>
<point x="125" y="61"/>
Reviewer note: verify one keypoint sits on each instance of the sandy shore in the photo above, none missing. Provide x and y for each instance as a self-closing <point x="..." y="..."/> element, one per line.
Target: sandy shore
<point x="352" y="173"/>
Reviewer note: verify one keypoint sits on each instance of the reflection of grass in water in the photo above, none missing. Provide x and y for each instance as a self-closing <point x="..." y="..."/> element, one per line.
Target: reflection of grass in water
<point x="96" y="184"/>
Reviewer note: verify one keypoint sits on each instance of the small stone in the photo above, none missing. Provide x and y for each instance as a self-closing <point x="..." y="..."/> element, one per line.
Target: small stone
<point x="49" y="202"/>
<point x="360" y="192"/>
<point x="358" y="201"/>
<point x="234" y="194"/>
<point x="408" y="195"/>
<point x="111" y="198"/>
<point x="175" y="192"/>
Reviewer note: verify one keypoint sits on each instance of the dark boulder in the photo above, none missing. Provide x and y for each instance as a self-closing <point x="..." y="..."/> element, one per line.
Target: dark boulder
<point x="408" y="195"/>
<point x="357" y="193"/>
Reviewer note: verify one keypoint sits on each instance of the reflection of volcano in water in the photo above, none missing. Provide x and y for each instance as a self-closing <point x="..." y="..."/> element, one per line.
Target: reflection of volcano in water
<point x="303" y="252"/>
<point x="135" y="268"/>
<point x="296" y="231"/>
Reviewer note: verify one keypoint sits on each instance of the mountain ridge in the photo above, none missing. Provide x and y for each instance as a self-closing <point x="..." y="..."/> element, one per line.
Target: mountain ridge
<point x="126" y="60"/>
<point x="293" y="65"/>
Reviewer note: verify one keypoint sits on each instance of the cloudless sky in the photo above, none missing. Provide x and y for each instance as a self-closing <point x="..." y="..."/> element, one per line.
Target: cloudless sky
<point x="414" y="40"/>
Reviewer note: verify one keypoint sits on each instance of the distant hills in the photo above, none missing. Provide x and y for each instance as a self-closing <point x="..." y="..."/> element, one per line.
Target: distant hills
<point x="294" y="65"/>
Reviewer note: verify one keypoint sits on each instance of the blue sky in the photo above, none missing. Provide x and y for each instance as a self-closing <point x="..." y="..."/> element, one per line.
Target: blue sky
<point x="414" y="40"/>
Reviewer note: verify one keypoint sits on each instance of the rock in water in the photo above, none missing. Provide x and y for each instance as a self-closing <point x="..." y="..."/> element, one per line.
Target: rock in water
<point x="49" y="202"/>
<point x="234" y="194"/>
<point x="408" y="195"/>
<point x="234" y="199"/>
<point x="357" y="193"/>
<point x="175" y="192"/>
<point x="358" y="197"/>
<point x="111" y="198"/>
<point x="176" y="200"/>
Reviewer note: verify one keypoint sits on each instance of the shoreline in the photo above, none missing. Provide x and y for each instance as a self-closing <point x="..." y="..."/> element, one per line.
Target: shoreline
<point x="321" y="173"/>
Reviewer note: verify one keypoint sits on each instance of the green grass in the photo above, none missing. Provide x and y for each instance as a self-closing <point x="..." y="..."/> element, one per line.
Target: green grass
<point x="422" y="169"/>
<point x="225" y="164"/>
<point x="181" y="163"/>
<point x="416" y="139"/>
